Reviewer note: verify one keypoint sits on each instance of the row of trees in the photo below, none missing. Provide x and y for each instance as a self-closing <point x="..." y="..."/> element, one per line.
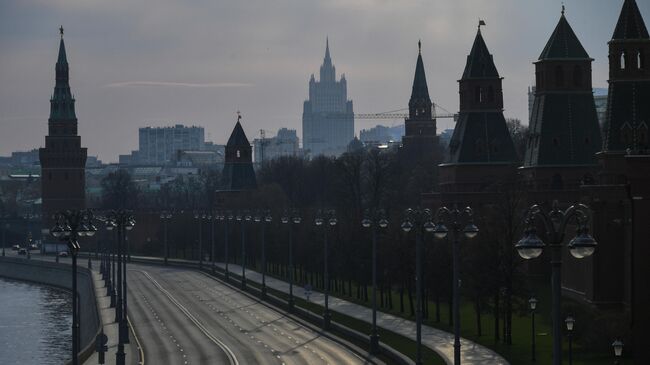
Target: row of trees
<point x="351" y="184"/>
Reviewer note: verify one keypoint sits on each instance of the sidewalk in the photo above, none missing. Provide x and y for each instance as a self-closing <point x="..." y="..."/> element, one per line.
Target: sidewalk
<point x="110" y="327"/>
<point x="435" y="339"/>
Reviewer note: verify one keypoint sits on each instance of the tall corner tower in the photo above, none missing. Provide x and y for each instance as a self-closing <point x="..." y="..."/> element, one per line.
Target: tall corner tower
<point x="328" y="116"/>
<point x="238" y="172"/>
<point x="420" y="143"/>
<point x="63" y="160"/>
<point x="564" y="130"/>
<point x="481" y="152"/>
<point x="628" y="111"/>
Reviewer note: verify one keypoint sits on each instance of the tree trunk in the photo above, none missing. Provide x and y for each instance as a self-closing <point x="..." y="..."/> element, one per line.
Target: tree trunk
<point x="401" y="299"/>
<point x="410" y="296"/>
<point x="437" y="306"/>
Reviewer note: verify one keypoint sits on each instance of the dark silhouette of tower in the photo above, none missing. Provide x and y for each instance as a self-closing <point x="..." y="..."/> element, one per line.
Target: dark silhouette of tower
<point x="238" y="172"/>
<point x="564" y="131"/>
<point x="63" y="160"/>
<point x="481" y="152"/>
<point x="420" y="143"/>
<point x="628" y="112"/>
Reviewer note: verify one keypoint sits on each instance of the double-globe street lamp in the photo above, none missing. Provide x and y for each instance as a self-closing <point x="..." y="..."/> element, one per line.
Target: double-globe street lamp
<point x="165" y="216"/>
<point x="263" y="218"/>
<point x="224" y="217"/>
<point x="374" y="219"/>
<point x="69" y="226"/>
<point x="290" y="220"/>
<point x="531" y="246"/>
<point x="454" y="219"/>
<point x="123" y="221"/>
<point x="243" y="217"/>
<point x="420" y="219"/>
<point x="326" y="219"/>
<point x="200" y="217"/>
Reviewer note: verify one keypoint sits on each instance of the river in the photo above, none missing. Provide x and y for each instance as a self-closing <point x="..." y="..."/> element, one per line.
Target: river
<point x="35" y="324"/>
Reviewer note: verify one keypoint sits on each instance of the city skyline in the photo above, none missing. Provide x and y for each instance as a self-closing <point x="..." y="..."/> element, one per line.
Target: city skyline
<point x="150" y="70"/>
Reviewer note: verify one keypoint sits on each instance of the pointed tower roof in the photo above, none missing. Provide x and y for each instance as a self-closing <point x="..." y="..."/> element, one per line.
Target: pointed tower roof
<point x="420" y="89"/>
<point x="62" y="56"/>
<point x="563" y="43"/>
<point x="327" y="50"/>
<point x="238" y="137"/>
<point x="630" y="23"/>
<point x="479" y="62"/>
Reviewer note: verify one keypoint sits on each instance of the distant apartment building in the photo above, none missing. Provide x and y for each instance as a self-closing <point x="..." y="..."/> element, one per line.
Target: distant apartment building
<point x="600" y="98"/>
<point x="328" y="117"/>
<point x="381" y="134"/>
<point x="285" y="143"/>
<point x="159" y="146"/>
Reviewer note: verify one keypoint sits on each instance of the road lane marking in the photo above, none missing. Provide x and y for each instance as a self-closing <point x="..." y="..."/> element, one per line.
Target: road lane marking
<point x="231" y="355"/>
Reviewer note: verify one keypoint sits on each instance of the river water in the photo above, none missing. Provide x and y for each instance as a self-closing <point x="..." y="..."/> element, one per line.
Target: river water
<point x="35" y="324"/>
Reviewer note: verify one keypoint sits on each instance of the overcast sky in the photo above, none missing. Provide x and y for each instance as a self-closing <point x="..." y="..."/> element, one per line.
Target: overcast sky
<point x="136" y="63"/>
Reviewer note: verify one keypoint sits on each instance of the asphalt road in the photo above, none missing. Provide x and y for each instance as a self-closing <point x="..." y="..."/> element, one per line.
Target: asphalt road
<point x="184" y="317"/>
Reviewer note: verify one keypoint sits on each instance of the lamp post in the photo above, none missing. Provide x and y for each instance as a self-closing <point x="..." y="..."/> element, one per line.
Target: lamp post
<point x="532" y="304"/>
<point x="225" y="217"/>
<point x="70" y="225"/>
<point x="531" y="246"/>
<point x="617" y="346"/>
<point x="289" y="221"/>
<point x="420" y="219"/>
<point x="213" y="217"/>
<point x="122" y="220"/>
<point x="453" y="218"/>
<point x="165" y="216"/>
<point x="264" y="219"/>
<point x="111" y="252"/>
<point x="375" y="219"/>
<point x="570" y="321"/>
<point x="325" y="219"/>
<point x="243" y="218"/>
<point x="199" y="217"/>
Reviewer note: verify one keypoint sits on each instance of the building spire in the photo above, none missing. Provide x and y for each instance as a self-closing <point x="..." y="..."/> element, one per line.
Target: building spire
<point x="630" y="23"/>
<point x="563" y="8"/>
<point x="61" y="31"/>
<point x="62" y="103"/>
<point x="419" y="46"/>
<point x="327" y="49"/>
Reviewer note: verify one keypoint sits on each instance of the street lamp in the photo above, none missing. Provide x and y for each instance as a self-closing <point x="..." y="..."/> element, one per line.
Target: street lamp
<point x="264" y="218"/>
<point x="570" y="321"/>
<point x="470" y="230"/>
<point x="375" y="219"/>
<point x="70" y="225"/>
<point x="165" y="216"/>
<point x="532" y="304"/>
<point x="618" y="351"/>
<point x="420" y="219"/>
<point x="531" y="246"/>
<point x="122" y="220"/>
<point x="325" y="219"/>
<point x="199" y="217"/>
<point x="225" y="217"/>
<point x="112" y="251"/>
<point x="290" y="220"/>
<point x="243" y="217"/>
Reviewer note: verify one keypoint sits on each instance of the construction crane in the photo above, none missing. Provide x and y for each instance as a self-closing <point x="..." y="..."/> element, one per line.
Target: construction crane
<point x="263" y="143"/>
<point x="398" y="114"/>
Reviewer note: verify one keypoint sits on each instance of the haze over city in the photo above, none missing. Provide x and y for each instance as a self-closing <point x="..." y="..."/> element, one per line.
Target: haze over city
<point x="198" y="62"/>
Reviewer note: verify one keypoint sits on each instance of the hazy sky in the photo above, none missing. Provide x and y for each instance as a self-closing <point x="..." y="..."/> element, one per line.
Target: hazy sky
<point x="135" y="63"/>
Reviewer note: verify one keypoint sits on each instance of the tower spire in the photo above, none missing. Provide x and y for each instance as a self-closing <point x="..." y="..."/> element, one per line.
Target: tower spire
<point x="327" y="49"/>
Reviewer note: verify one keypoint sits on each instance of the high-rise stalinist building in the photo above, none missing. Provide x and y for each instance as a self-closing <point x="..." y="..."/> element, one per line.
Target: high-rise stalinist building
<point x="327" y="117"/>
<point x="63" y="160"/>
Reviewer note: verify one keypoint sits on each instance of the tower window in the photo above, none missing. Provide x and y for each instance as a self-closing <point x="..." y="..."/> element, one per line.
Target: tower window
<point x="643" y="134"/>
<point x="490" y="94"/>
<point x="577" y="76"/>
<point x="626" y="134"/>
<point x="623" y="61"/>
<point x="640" y="62"/>
<point x="238" y="154"/>
<point x="559" y="76"/>
<point x="479" y="94"/>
